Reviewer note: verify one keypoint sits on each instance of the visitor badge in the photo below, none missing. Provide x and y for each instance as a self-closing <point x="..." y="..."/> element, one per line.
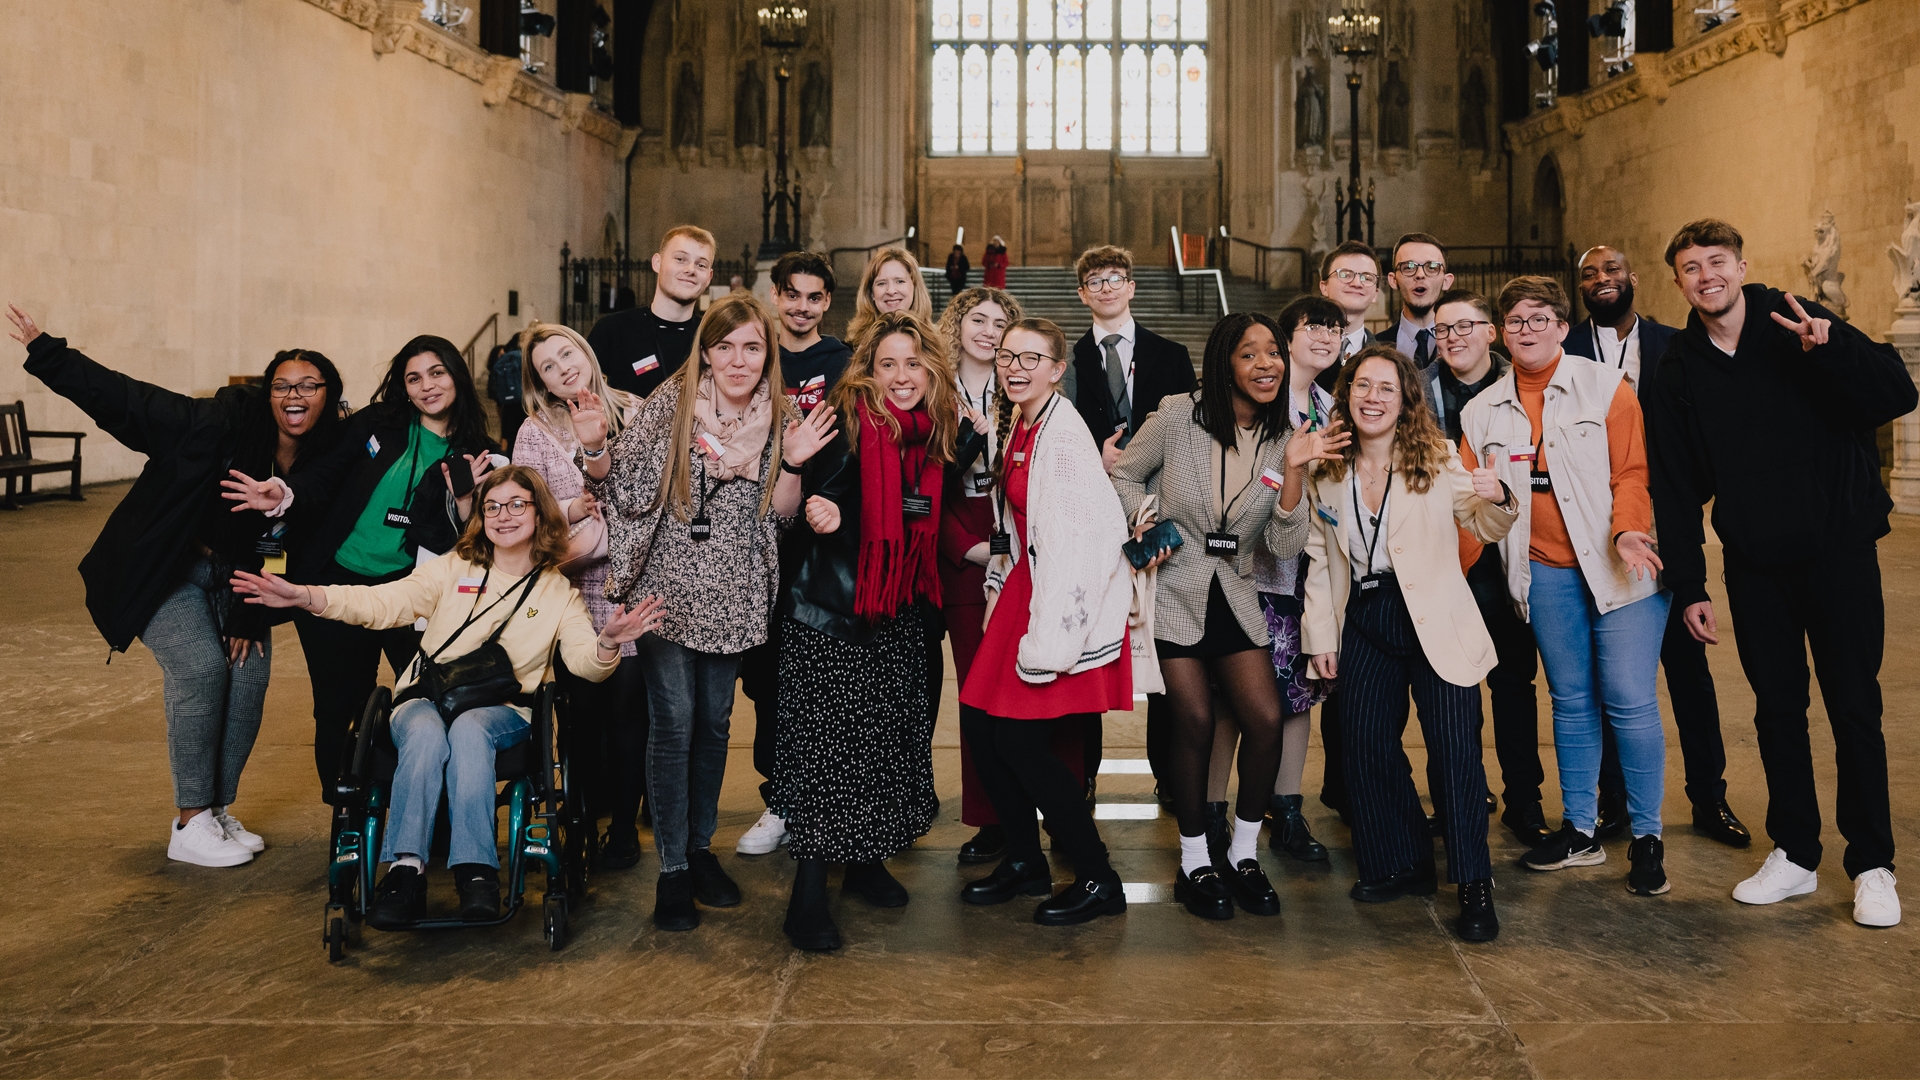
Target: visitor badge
<point x="472" y="585"/>
<point x="700" y="528"/>
<point x="373" y="446"/>
<point x="916" y="505"/>
<point x="398" y="518"/>
<point x="999" y="544"/>
<point x="641" y="367"/>
<point x="979" y="487"/>
<point x="1223" y="545"/>
<point x="1271" y="479"/>
<point x="711" y="444"/>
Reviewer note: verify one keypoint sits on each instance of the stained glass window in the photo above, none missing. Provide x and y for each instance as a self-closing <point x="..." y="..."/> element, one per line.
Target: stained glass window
<point x="1068" y="75"/>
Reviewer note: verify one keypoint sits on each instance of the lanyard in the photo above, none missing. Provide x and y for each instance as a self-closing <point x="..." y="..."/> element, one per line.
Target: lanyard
<point x="476" y="617"/>
<point x="1619" y="361"/>
<point x="1360" y="510"/>
<point x="986" y="393"/>
<point x="1000" y="505"/>
<point x="1311" y="416"/>
<point x="1225" y="506"/>
<point x="705" y="491"/>
<point x="413" y="458"/>
<point x="915" y="472"/>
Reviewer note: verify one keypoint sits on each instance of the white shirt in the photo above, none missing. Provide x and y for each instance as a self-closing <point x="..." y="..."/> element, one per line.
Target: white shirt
<point x="1407" y="337"/>
<point x="1352" y="343"/>
<point x="1128" y="331"/>
<point x="1614" y="353"/>
<point x="1360" y="529"/>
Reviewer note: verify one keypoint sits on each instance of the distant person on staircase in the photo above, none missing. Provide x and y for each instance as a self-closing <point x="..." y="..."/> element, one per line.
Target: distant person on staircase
<point x="639" y="348"/>
<point x="1418" y="277"/>
<point x="994" y="264"/>
<point x="957" y="269"/>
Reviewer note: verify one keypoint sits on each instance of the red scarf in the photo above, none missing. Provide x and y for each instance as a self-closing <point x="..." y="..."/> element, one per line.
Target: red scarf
<point x="897" y="553"/>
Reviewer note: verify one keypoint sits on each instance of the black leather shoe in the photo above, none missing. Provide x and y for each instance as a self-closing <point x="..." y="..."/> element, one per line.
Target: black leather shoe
<point x="479" y="887"/>
<point x="1217" y="834"/>
<point x="1082" y="901"/>
<point x="988" y="845"/>
<point x="1528" y="824"/>
<point x="1420" y="880"/>
<point x="1289" y="833"/>
<point x="1093" y="787"/>
<point x="871" y="882"/>
<point x="809" y="925"/>
<point x="1008" y="880"/>
<point x="1613" y="818"/>
<point x="620" y="851"/>
<point x="1477" y="921"/>
<point x="711" y="885"/>
<point x="1204" y="893"/>
<point x="401" y="898"/>
<point x="1251" y="889"/>
<point x="1718" y="823"/>
<point x="673" y="902"/>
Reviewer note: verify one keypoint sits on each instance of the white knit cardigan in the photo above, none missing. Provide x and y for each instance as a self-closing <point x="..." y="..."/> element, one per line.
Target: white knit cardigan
<point x="1082" y="586"/>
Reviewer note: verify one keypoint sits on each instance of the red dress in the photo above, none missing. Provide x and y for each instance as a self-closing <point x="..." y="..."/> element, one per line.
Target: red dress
<point x="994" y="686"/>
<point x="995" y="262"/>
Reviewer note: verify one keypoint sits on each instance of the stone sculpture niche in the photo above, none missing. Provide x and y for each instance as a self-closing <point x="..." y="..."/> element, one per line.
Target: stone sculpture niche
<point x="1906" y="259"/>
<point x="750" y="108"/>
<point x="686" y="116"/>
<point x="1823" y="266"/>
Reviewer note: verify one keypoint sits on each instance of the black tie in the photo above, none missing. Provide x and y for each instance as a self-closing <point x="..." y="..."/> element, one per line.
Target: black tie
<point x="1423" y="348"/>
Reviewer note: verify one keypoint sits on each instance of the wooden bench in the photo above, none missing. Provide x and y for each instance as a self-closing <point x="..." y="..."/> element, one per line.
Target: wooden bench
<point x="17" y="460"/>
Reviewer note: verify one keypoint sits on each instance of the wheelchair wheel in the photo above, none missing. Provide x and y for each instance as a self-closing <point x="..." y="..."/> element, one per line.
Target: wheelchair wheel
<point x="555" y="927"/>
<point x="334" y="933"/>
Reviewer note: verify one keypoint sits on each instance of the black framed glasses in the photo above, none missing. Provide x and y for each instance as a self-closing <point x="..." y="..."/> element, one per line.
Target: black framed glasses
<point x="1365" y="277"/>
<point x="1417" y="269"/>
<point x="1025" y="361"/>
<point x="514" y="507"/>
<point x="1461" y="328"/>
<point x="305" y="388"/>
<point x="1535" y="323"/>
<point x="1110" y="283"/>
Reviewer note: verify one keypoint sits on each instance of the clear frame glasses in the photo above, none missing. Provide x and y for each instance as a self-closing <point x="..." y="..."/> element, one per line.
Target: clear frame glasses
<point x="1365" y="277"/>
<point x="1318" y="333"/>
<point x="1369" y="388"/>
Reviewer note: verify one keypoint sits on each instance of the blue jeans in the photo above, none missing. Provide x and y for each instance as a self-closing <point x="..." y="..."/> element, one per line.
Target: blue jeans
<point x="690" y="703"/>
<point x="1596" y="662"/>
<point x="461" y="752"/>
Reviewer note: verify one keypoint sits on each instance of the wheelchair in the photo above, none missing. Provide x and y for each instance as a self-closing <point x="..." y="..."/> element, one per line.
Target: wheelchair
<point x="546" y="825"/>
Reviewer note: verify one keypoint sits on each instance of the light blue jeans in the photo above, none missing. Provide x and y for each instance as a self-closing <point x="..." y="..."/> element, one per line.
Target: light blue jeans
<point x="462" y="753"/>
<point x="1597" y="662"/>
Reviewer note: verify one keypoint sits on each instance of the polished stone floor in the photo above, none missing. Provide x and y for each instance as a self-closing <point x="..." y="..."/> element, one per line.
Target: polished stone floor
<point x="116" y="962"/>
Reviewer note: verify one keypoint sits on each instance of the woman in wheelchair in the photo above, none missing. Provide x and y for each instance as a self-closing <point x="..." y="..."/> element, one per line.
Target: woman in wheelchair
<point x="521" y="533"/>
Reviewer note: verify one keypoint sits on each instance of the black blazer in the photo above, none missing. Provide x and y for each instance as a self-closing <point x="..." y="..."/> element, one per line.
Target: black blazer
<point x="1161" y="368"/>
<point x="1327" y="378"/>
<point x="1654" y="338"/>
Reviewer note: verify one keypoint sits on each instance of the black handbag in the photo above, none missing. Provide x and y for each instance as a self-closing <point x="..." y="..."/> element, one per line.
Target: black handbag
<point x="472" y="680"/>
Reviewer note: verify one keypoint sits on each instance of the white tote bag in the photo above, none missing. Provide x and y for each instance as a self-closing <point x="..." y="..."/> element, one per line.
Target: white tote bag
<point x="1146" y="661"/>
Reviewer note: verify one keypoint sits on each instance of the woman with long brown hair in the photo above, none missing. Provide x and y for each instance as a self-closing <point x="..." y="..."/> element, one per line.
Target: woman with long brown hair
<point x="891" y="282"/>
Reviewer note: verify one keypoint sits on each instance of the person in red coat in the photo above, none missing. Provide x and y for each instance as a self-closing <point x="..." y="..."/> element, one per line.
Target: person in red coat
<point x="994" y="264"/>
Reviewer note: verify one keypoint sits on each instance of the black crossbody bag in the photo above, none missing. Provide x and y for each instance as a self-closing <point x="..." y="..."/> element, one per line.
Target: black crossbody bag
<point x="472" y="680"/>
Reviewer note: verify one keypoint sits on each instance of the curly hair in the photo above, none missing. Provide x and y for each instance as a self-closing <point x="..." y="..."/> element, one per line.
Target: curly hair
<point x="1420" y="448"/>
<point x="957" y="310"/>
<point x="549" y="526"/>
<point x="858" y="385"/>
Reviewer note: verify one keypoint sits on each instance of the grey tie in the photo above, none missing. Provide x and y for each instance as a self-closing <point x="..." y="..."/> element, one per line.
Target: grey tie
<point x="1117" y="381"/>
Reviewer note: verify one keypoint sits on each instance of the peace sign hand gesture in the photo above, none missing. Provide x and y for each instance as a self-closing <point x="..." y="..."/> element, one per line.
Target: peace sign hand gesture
<point x="1809" y="330"/>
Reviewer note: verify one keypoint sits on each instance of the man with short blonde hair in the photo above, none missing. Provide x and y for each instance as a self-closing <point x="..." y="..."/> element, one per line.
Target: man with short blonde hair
<point x="640" y="347"/>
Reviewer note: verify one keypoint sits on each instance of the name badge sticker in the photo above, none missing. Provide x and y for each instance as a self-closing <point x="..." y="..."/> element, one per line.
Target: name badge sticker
<point x="711" y="444"/>
<point x="641" y="367"/>
<point x="1271" y="479"/>
<point x="1019" y="457"/>
<point x="373" y="446"/>
<point x="1522" y="455"/>
<point x="1326" y="516"/>
<point x="472" y="585"/>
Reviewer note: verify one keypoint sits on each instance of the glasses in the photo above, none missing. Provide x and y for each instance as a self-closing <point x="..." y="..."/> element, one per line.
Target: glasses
<point x="514" y="508"/>
<point x="1318" y="333"/>
<point x="1110" y="283"/>
<point x="1362" y="276"/>
<point x="1419" y="269"/>
<point x="1536" y="323"/>
<point x="1461" y="328"/>
<point x="305" y="388"/>
<point x="1025" y="361"/>
<point x="1369" y="388"/>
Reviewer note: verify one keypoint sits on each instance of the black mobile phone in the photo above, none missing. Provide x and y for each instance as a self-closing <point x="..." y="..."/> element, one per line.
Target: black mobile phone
<point x="461" y="472"/>
<point x="1141" y="552"/>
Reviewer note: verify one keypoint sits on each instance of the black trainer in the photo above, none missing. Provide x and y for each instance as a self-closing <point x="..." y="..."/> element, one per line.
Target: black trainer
<point x="1569" y="847"/>
<point x="1290" y="834"/>
<point x="673" y="907"/>
<point x="711" y="885"/>
<point x="479" y="887"/>
<point x="400" y="898"/>
<point x="1204" y="893"/>
<point x="1646" y="872"/>
<point x="1477" y="921"/>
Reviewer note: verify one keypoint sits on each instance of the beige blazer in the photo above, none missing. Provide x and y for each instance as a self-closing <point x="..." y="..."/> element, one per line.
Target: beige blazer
<point x="1425" y="546"/>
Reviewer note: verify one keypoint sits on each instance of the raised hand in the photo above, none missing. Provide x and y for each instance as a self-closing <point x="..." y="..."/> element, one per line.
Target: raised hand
<point x="630" y="624"/>
<point x="24" y="330"/>
<point x="1486" y="484"/>
<point x="1809" y="330"/>
<point x="823" y="515"/>
<point x="1636" y="550"/>
<point x="805" y="438"/>
<point x="1322" y="444"/>
<point x="589" y="418"/>
<point x="274" y="591"/>
<point x="978" y="419"/>
<point x="250" y="494"/>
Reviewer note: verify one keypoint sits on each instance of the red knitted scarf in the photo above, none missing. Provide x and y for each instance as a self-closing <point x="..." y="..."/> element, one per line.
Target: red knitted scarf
<point x="897" y="553"/>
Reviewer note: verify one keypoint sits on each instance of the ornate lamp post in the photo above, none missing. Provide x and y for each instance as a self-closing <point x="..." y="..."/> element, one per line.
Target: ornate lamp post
<point x="783" y="28"/>
<point x="1354" y="34"/>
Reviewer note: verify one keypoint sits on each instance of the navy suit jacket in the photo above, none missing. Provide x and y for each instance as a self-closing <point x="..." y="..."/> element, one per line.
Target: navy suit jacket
<point x="1654" y="338"/>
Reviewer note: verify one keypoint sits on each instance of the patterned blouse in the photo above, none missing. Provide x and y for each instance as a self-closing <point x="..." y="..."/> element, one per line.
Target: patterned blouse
<point x="541" y="450"/>
<point x="718" y="593"/>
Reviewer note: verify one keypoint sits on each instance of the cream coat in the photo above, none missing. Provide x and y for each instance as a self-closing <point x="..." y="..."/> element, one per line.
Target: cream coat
<point x="1425" y="547"/>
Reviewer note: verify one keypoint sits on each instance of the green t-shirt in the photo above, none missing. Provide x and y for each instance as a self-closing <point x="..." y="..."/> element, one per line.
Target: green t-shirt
<point x="375" y="548"/>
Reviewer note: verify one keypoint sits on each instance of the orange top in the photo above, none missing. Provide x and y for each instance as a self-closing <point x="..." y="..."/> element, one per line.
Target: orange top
<point x="1548" y="541"/>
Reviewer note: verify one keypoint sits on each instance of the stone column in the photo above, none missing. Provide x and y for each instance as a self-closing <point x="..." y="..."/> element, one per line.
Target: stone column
<point x="1905" y="480"/>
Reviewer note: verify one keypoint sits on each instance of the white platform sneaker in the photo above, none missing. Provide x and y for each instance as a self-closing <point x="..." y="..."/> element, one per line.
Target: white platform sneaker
<point x="236" y="831"/>
<point x="202" y="842"/>
<point x="766" y="835"/>
<point x="1779" y="878"/>
<point x="1874" y="901"/>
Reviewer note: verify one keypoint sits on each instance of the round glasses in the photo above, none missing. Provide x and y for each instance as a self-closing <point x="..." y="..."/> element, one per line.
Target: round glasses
<point x="1110" y="283"/>
<point x="514" y="508"/>
<point x="1318" y="333"/>
<point x="1025" y="361"/>
<point x="1461" y="328"/>
<point x="1535" y="323"/>
<point x="1364" y="277"/>
<point x="1419" y="269"/>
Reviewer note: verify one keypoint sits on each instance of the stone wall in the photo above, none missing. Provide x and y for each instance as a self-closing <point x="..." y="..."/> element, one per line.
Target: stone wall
<point x="188" y="186"/>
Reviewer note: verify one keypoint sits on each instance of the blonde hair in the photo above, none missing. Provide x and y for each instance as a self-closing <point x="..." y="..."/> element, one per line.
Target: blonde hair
<point x="692" y="232"/>
<point x="549" y="527"/>
<point x="1420" y="448"/>
<point x="542" y="405"/>
<point x="864" y="311"/>
<point x="729" y="313"/>
<point x="957" y="310"/>
<point x="859" y="386"/>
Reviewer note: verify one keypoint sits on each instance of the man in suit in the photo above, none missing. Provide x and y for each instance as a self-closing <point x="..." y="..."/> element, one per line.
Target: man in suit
<point x="1121" y="371"/>
<point x="1615" y="335"/>
<point x="1418" y="276"/>
<point x="1350" y="277"/>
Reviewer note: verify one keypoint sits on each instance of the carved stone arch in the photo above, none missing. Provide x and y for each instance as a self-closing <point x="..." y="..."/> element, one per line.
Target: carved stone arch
<point x="1548" y="204"/>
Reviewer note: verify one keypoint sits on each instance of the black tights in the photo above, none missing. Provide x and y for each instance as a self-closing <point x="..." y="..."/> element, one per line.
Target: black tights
<point x="1020" y="772"/>
<point x="1246" y="684"/>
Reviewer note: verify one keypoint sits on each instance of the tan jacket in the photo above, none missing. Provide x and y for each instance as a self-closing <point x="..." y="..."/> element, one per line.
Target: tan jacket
<point x="1425" y="546"/>
<point x="553" y="611"/>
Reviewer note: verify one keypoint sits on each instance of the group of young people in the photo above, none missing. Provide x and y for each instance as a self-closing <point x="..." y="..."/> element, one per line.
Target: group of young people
<point x="1326" y="517"/>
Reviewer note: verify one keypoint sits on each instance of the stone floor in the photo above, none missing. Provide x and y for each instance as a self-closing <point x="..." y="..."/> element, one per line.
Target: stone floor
<point x="115" y="962"/>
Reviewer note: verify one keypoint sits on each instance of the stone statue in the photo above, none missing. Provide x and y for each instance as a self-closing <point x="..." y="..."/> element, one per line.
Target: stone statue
<point x="1320" y="188"/>
<point x="1906" y="257"/>
<point x="816" y="107"/>
<point x="750" y="108"/>
<point x="1395" y="101"/>
<point x="1473" y="112"/>
<point x="1823" y="266"/>
<point x="1310" y="111"/>
<point x="686" y="107"/>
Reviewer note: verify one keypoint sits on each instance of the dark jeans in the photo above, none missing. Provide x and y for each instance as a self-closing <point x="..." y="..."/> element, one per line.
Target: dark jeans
<point x="1515" y="702"/>
<point x="690" y="705"/>
<point x="343" y="663"/>
<point x="1020" y="774"/>
<point x="605" y="726"/>
<point x="1696" y="716"/>
<point x="1832" y="605"/>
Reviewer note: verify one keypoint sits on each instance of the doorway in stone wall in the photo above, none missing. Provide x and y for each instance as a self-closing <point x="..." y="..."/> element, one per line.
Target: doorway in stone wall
<point x="1549" y="209"/>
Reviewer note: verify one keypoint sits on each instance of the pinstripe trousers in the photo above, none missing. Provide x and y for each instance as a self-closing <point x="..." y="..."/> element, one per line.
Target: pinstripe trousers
<point x="1380" y="660"/>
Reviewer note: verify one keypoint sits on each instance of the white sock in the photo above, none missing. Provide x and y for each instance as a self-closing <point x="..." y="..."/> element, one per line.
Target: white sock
<point x="1193" y="853"/>
<point x="409" y="860"/>
<point x="1246" y="840"/>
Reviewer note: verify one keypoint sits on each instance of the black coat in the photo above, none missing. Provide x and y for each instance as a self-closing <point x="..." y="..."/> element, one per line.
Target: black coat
<point x="1782" y="440"/>
<point x="1654" y="339"/>
<point x="190" y="443"/>
<point x="1160" y="368"/>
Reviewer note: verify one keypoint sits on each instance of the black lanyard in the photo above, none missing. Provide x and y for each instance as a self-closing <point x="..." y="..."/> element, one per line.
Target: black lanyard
<point x="1621" y="360"/>
<point x="1226" y="507"/>
<point x="1360" y="510"/>
<point x="1001" y="504"/>
<point x="706" y="491"/>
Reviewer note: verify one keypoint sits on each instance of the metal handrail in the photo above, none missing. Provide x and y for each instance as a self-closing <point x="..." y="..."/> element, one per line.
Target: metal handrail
<point x="1180" y="267"/>
<point x="493" y="321"/>
<point x="1262" y="251"/>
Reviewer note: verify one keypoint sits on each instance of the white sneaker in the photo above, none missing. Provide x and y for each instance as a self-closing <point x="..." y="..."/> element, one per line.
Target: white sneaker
<point x="1779" y="878"/>
<point x="236" y="831"/>
<point x="766" y="835"/>
<point x="202" y="842"/>
<point x="1874" y="901"/>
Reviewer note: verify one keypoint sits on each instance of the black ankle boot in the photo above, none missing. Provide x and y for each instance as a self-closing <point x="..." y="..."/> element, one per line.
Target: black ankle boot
<point x="871" y="882"/>
<point x="808" y="925"/>
<point x="1217" y="836"/>
<point x="1290" y="834"/>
